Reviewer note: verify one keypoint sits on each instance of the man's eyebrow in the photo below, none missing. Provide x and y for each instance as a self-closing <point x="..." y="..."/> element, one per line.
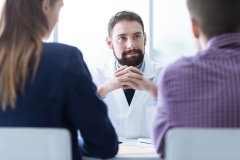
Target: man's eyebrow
<point x="120" y="35"/>
<point x="138" y="33"/>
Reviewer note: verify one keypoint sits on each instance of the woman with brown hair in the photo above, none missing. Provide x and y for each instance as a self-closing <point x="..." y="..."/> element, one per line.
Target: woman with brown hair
<point x="48" y="84"/>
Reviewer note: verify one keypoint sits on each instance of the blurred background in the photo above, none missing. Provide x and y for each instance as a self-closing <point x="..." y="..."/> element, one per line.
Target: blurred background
<point x="83" y="23"/>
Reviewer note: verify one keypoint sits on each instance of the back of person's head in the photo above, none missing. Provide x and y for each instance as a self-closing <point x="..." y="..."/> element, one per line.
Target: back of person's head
<point x="215" y="17"/>
<point x="23" y="25"/>
<point x="123" y="15"/>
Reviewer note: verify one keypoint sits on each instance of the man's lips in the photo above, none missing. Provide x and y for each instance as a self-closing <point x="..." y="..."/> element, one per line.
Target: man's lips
<point x="132" y="54"/>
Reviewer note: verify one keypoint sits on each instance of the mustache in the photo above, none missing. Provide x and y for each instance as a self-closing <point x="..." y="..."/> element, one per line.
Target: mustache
<point x="139" y="51"/>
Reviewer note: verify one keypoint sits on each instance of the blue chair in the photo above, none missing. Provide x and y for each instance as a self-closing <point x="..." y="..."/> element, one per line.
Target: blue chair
<point x="202" y="144"/>
<point x="35" y="144"/>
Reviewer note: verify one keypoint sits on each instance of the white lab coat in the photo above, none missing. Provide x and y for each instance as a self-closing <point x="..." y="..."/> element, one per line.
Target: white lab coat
<point x="129" y="122"/>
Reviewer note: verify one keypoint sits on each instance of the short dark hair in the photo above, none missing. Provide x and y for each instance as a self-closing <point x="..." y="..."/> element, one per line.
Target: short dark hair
<point x="215" y="17"/>
<point x="123" y="15"/>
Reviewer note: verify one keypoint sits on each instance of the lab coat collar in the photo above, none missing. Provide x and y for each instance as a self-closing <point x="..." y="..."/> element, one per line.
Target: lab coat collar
<point x="149" y="67"/>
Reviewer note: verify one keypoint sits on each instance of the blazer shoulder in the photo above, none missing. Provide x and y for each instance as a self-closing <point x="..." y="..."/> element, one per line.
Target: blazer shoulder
<point x="59" y="49"/>
<point x="56" y="56"/>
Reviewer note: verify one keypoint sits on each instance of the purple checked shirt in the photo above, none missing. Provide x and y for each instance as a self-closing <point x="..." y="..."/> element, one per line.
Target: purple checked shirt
<point x="200" y="91"/>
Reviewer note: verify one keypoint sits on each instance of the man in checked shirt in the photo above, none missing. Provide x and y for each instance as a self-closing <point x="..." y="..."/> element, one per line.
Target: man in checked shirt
<point x="203" y="90"/>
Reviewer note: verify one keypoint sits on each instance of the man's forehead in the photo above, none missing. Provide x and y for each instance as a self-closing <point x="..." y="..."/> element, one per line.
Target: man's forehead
<point x="127" y="28"/>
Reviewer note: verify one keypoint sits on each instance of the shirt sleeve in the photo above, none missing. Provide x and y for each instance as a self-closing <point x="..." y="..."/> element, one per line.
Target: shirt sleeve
<point x="155" y="102"/>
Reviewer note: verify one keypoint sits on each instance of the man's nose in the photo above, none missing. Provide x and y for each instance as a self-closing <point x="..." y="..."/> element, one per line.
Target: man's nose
<point x="131" y="44"/>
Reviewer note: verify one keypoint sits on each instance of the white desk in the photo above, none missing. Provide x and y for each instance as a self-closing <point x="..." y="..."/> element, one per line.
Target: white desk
<point x="134" y="148"/>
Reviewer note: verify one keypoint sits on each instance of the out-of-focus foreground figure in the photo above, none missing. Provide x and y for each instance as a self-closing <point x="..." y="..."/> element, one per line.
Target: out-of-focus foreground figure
<point x="203" y="90"/>
<point x="48" y="84"/>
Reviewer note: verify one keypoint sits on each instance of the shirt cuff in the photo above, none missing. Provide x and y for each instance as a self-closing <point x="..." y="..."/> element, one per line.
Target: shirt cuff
<point x="155" y="102"/>
<point x="100" y="97"/>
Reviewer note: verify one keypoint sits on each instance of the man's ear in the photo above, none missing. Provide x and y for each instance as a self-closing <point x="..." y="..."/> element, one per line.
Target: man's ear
<point x="109" y="42"/>
<point x="195" y="29"/>
<point x="145" y="38"/>
<point x="45" y="6"/>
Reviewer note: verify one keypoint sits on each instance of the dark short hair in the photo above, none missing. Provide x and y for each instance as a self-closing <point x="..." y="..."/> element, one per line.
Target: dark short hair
<point x="215" y="17"/>
<point x="123" y="15"/>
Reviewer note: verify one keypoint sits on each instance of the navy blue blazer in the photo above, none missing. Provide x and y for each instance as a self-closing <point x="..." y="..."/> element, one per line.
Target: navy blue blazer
<point x="62" y="95"/>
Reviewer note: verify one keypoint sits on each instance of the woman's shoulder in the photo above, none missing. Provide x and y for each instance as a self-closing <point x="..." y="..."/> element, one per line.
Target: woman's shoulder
<point x="58" y="49"/>
<point x="59" y="54"/>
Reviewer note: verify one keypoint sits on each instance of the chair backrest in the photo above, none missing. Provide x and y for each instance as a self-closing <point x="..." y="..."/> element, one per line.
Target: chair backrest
<point x="35" y="144"/>
<point x="202" y="144"/>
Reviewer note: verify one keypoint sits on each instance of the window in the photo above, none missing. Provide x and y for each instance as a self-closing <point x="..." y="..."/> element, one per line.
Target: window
<point x="84" y="24"/>
<point x="172" y="34"/>
<point x="1" y="3"/>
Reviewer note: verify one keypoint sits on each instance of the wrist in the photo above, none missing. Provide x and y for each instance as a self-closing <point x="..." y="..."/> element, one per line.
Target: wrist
<point x="153" y="91"/>
<point x="102" y="90"/>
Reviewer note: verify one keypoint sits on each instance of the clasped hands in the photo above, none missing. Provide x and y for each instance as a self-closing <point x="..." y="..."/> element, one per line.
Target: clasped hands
<point x="127" y="77"/>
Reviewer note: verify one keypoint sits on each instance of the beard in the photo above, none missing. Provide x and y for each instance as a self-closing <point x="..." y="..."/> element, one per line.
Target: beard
<point x="132" y="61"/>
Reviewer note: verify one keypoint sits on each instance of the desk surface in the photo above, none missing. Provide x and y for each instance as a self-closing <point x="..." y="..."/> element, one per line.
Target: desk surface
<point x="127" y="150"/>
<point x="132" y="149"/>
<point x="133" y="146"/>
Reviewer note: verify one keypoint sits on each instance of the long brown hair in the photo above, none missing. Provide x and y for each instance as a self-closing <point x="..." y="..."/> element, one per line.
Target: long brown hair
<point x="22" y="27"/>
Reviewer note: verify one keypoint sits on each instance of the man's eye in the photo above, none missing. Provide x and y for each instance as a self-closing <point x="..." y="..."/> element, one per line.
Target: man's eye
<point x="122" y="38"/>
<point x="137" y="36"/>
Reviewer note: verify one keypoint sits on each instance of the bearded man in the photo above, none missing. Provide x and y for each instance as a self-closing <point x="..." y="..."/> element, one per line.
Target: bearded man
<point x="127" y="84"/>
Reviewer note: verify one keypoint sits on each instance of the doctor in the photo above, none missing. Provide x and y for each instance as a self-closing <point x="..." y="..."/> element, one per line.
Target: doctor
<point x="127" y="83"/>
